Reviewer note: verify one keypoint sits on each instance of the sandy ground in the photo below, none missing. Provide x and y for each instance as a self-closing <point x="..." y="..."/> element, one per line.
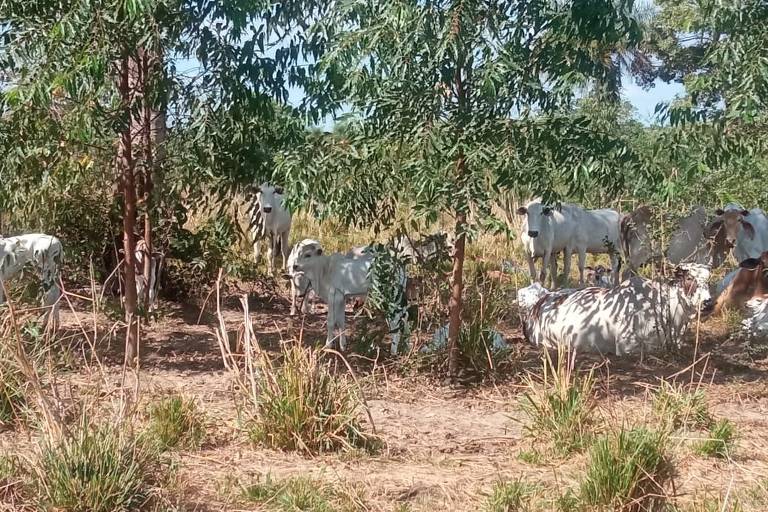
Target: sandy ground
<point x="445" y="445"/>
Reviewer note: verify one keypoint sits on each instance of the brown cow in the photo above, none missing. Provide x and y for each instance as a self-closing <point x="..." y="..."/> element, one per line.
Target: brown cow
<point x="750" y="281"/>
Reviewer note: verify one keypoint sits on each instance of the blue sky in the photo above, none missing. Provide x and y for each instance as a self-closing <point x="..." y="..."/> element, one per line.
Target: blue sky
<point x="644" y="101"/>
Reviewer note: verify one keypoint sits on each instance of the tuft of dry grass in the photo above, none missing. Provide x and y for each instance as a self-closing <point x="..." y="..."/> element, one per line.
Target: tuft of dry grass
<point x="559" y="404"/>
<point x="175" y="422"/>
<point x="681" y="405"/>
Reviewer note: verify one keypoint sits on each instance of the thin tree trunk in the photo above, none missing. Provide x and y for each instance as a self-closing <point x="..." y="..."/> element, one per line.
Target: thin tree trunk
<point x="149" y="166"/>
<point x="455" y="303"/>
<point x="125" y="171"/>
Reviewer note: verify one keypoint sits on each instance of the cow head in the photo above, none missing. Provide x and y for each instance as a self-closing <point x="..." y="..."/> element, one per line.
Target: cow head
<point x="295" y="274"/>
<point x="537" y="215"/>
<point x="731" y="221"/>
<point x="269" y="197"/>
<point x="692" y="280"/>
<point x="306" y="258"/>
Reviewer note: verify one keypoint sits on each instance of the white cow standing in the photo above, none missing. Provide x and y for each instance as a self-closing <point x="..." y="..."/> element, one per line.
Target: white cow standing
<point x="638" y="316"/>
<point x="43" y="252"/>
<point x="570" y="229"/>
<point x="336" y="277"/>
<point x="270" y="218"/>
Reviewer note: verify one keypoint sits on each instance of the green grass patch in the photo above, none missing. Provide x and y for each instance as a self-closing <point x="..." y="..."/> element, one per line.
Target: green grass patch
<point x="626" y="470"/>
<point x="515" y="495"/>
<point x="175" y="422"/>
<point x="559" y="405"/>
<point x="720" y="442"/>
<point x="681" y="406"/>
<point x="302" y="494"/>
<point x="95" y="469"/>
<point x="302" y="407"/>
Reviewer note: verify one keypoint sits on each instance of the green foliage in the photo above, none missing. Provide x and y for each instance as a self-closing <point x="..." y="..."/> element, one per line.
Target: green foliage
<point x="720" y="442"/>
<point x="681" y="406"/>
<point x="96" y="469"/>
<point x="300" y="494"/>
<point x="512" y="496"/>
<point x="626" y="471"/>
<point x="175" y="422"/>
<point x="559" y="405"/>
<point x="303" y="407"/>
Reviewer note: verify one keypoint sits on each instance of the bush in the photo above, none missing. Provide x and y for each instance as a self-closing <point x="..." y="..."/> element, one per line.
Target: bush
<point x="301" y="494"/>
<point x="175" y="422"/>
<point x="721" y="440"/>
<point x="559" y="405"/>
<point x="95" y="469"/>
<point x="514" y="496"/>
<point x="626" y="471"/>
<point x="680" y="407"/>
<point x="301" y="406"/>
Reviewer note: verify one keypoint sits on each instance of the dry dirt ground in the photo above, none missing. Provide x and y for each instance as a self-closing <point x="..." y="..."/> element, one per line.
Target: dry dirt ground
<point x="445" y="446"/>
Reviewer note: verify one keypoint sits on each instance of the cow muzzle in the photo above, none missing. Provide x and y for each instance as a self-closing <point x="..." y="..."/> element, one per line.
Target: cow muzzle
<point x="533" y="234"/>
<point x="267" y="209"/>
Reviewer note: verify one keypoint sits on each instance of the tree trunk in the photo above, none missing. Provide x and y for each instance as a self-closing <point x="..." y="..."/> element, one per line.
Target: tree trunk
<point x="149" y="168"/>
<point x="125" y="171"/>
<point x="455" y="303"/>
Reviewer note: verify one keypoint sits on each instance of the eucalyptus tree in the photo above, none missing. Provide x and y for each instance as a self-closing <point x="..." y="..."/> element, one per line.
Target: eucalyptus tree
<point x="455" y="100"/>
<point x="719" y="51"/>
<point x="90" y="84"/>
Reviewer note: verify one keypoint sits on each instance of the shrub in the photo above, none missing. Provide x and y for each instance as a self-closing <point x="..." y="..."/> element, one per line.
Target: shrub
<point x="514" y="496"/>
<point x="720" y="442"/>
<point x="300" y="493"/>
<point x="301" y="406"/>
<point x="559" y="405"/>
<point x="626" y="471"/>
<point x="680" y="407"/>
<point x="95" y="469"/>
<point x="175" y="422"/>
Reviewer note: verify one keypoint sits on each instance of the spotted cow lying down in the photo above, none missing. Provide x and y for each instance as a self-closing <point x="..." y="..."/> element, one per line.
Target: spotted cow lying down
<point x="638" y="316"/>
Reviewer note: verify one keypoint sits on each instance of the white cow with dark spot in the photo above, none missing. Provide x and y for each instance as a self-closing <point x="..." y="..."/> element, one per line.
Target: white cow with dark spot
<point x="270" y="219"/>
<point x="336" y="277"/>
<point x="44" y="253"/>
<point x="638" y="316"/>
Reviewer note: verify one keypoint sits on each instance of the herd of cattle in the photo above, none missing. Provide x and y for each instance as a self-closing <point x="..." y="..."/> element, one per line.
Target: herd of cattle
<point x="611" y="315"/>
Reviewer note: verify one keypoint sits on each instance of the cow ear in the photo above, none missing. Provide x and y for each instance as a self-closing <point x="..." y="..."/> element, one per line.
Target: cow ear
<point x="522" y="210"/>
<point x="749" y="228"/>
<point x="713" y="228"/>
<point x="749" y="263"/>
<point x="279" y="190"/>
<point x="719" y="211"/>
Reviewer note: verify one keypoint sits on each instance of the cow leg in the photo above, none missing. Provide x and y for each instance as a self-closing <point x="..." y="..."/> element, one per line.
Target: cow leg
<point x="582" y="264"/>
<point x="284" y="247"/>
<point x="553" y="270"/>
<point x="544" y="265"/>
<point x="271" y="253"/>
<point x="331" y="320"/>
<point x="305" y="306"/>
<point x="567" y="257"/>
<point x="531" y="267"/>
<point x="255" y="250"/>
<point x="338" y="305"/>
<point x="615" y="263"/>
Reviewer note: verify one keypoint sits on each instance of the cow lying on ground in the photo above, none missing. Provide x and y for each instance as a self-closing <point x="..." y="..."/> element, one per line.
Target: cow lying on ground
<point x="749" y="281"/>
<point x="270" y="219"/>
<point x="45" y="254"/>
<point x="746" y="231"/>
<point x="336" y="277"/>
<point x="571" y="228"/>
<point x="638" y="316"/>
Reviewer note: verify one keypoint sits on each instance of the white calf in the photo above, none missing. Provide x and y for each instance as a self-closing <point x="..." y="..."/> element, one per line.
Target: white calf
<point x="636" y="316"/>
<point x="300" y="287"/>
<point x="334" y="278"/>
<point x="270" y="218"/>
<point x="43" y="252"/>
